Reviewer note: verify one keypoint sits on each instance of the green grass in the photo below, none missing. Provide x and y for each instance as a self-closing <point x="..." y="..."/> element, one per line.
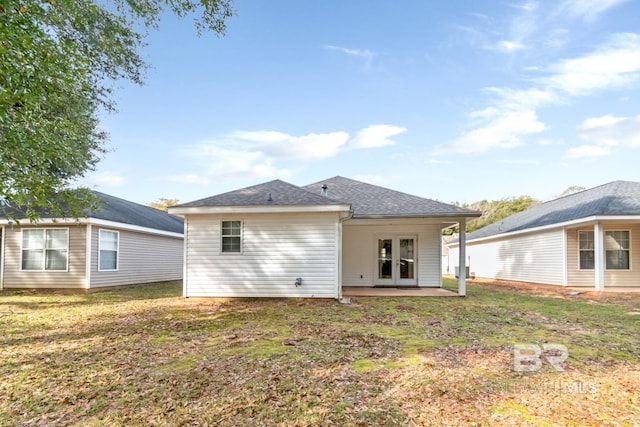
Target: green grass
<point x="143" y="355"/>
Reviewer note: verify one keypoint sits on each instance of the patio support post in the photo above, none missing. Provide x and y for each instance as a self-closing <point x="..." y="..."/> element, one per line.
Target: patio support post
<point x="462" y="269"/>
<point x="598" y="267"/>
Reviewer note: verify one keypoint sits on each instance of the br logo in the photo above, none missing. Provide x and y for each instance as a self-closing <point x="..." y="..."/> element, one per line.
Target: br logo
<point x="528" y="357"/>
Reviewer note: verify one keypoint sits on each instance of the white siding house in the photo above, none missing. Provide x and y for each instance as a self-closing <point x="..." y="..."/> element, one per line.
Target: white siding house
<point x="586" y="239"/>
<point x="280" y="240"/>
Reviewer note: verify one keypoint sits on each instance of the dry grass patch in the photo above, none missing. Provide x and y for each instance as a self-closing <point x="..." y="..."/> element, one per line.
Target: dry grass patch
<point x="146" y="356"/>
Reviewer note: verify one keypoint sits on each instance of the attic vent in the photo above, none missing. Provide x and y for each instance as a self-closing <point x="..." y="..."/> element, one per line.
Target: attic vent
<point x="270" y="199"/>
<point x="325" y="190"/>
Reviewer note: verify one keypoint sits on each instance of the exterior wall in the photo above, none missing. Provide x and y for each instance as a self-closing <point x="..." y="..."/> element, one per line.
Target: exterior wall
<point x="74" y="277"/>
<point x="612" y="278"/>
<point x="359" y="250"/>
<point x="276" y="249"/>
<point x="534" y="257"/>
<point x="142" y="258"/>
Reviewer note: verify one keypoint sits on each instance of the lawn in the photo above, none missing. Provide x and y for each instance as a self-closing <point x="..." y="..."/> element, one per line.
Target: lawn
<point x="145" y="356"/>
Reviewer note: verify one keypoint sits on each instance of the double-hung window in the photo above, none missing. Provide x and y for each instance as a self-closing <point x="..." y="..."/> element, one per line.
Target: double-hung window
<point x="45" y="249"/>
<point x="617" y="249"/>
<point x="108" y="250"/>
<point x="231" y="236"/>
<point x="587" y="250"/>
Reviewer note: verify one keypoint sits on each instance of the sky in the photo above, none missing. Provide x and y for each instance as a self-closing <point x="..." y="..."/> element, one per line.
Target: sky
<point x="450" y="100"/>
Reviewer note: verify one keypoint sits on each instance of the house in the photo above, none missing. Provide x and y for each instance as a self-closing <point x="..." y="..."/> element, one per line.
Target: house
<point x="120" y="243"/>
<point x="587" y="239"/>
<point x="279" y="240"/>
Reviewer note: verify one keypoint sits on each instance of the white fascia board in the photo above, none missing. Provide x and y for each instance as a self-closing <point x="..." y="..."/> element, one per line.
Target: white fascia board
<point x="95" y="221"/>
<point x="566" y="224"/>
<point x="258" y="209"/>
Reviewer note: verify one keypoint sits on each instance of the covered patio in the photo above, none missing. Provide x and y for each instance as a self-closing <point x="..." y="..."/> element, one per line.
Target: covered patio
<point x="353" y="291"/>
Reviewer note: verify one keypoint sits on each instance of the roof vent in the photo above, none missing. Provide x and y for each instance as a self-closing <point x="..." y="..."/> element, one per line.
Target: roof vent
<point x="325" y="190"/>
<point x="270" y="199"/>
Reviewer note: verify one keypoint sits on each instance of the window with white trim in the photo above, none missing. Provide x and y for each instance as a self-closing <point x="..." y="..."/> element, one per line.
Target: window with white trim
<point x="617" y="248"/>
<point x="108" y="244"/>
<point x="231" y="236"/>
<point x="586" y="249"/>
<point x="45" y="249"/>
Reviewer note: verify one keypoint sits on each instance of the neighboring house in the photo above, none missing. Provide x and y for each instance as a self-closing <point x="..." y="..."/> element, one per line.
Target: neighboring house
<point x="589" y="239"/>
<point x="120" y="243"/>
<point x="279" y="240"/>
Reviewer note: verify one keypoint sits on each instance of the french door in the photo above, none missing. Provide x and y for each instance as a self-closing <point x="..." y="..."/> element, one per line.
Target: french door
<point x="396" y="263"/>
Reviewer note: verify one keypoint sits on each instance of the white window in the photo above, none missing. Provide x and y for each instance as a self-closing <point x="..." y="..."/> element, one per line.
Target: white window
<point x="231" y="236"/>
<point x="108" y="242"/>
<point x="45" y="249"/>
<point x="586" y="248"/>
<point x="616" y="249"/>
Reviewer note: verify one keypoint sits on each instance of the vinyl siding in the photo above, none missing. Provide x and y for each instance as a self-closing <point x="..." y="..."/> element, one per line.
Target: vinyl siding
<point x="359" y="251"/>
<point x="535" y="257"/>
<point x="142" y="258"/>
<point x="74" y="277"/>
<point x="276" y="249"/>
<point x="612" y="278"/>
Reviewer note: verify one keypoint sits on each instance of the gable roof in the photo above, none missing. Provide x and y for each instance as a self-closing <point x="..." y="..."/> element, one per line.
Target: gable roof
<point x="372" y="201"/>
<point x="614" y="198"/>
<point x="119" y="210"/>
<point x="272" y="193"/>
<point x="115" y="209"/>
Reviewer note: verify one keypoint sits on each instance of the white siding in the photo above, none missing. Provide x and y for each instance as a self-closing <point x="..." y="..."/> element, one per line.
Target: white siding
<point x="142" y="258"/>
<point x="535" y="257"/>
<point x="277" y="249"/>
<point x="359" y="257"/>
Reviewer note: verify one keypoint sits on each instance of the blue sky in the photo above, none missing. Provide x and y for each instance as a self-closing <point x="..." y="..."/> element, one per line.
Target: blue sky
<point x="451" y="100"/>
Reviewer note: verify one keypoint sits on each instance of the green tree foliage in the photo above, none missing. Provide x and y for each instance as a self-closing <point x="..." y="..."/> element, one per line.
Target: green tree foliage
<point x="163" y="203"/>
<point x="59" y="60"/>
<point x="494" y="210"/>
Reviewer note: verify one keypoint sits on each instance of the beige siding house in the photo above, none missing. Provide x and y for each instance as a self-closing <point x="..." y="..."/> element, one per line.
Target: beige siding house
<point x="280" y="240"/>
<point x="588" y="239"/>
<point x="120" y="243"/>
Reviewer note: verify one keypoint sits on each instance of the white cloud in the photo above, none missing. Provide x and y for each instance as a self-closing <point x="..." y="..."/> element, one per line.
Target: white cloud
<point x="376" y="136"/>
<point x="606" y="132"/>
<point x="366" y="54"/>
<point x="512" y="115"/>
<point x="587" y="10"/>
<point x="614" y="64"/>
<point x="507" y="46"/>
<point x="287" y="146"/>
<point x="502" y="131"/>
<point x="587" y="151"/>
<point x="105" y="179"/>
<point x="611" y="130"/>
<point x="271" y="154"/>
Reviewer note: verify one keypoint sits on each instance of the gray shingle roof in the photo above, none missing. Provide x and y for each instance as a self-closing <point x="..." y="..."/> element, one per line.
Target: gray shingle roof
<point x="614" y="198"/>
<point x="272" y="193"/>
<point x="119" y="210"/>
<point x="372" y="200"/>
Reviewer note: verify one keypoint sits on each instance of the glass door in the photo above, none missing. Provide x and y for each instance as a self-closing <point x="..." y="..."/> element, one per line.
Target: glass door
<point x="396" y="261"/>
